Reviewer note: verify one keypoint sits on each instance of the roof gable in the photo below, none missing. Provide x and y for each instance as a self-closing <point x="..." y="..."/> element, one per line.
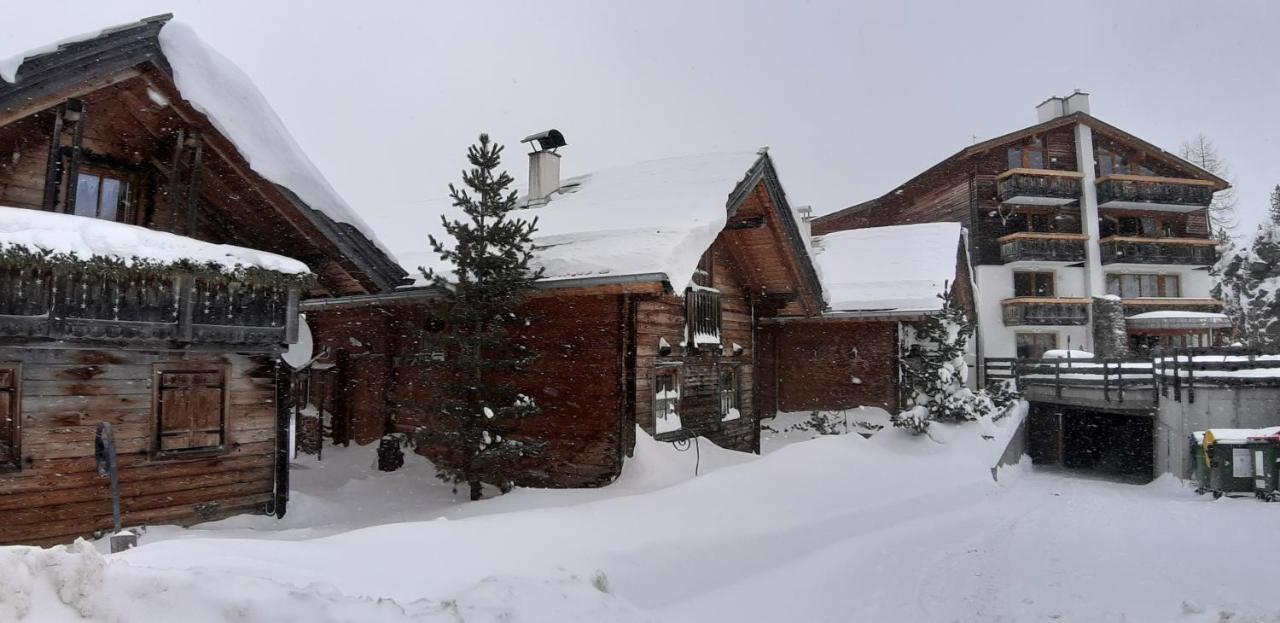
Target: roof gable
<point x="214" y="91"/>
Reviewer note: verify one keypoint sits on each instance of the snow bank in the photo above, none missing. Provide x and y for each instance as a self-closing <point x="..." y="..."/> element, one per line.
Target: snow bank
<point x="218" y="88"/>
<point x="903" y="267"/>
<point x="1062" y="353"/>
<point x="649" y="218"/>
<point x="86" y="238"/>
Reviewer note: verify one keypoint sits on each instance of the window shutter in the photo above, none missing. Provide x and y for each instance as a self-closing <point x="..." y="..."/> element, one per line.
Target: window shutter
<point x="9" y="420"/>
<point x="190" y="410"/>
<point x="702" y="316"/>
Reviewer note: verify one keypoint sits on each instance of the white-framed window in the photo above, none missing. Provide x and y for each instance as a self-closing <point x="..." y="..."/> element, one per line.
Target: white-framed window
<point x="666" y="400"/>
<point x="728" y="390"/>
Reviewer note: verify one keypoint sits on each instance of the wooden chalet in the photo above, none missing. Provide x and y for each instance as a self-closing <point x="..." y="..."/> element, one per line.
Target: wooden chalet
<point x="151" y="271"/>
<point x="878" y="280"/>
<point x="658" y="277"/>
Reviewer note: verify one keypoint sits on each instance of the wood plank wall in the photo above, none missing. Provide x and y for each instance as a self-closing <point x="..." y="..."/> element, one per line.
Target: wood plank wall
<point x="57" y="494"/>
<point x="835" y="365"/>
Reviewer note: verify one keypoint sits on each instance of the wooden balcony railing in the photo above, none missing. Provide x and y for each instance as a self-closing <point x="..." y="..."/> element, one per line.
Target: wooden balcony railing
<point x="1028" y="246"/>
<point x="1038" y="186"/>
<point x="1044" y="311"/>
<point x="1142" y="305"/>
<point x="1134" y="250"/>
<point x="164" y="307"/>
<point x="1154" y="193"/>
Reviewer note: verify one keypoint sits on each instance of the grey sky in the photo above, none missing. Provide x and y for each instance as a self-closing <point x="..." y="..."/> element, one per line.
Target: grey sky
<point x="851" y="99"/>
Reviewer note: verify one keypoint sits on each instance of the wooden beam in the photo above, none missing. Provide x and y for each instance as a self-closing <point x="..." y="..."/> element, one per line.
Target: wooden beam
<point x="171" y="188"/>
<point x="754" y="222"/>
<point x="37" y="105"/>
<point x="77" y="148"/>
<point x="193" y="185"/>
<point x="54" y="165"/>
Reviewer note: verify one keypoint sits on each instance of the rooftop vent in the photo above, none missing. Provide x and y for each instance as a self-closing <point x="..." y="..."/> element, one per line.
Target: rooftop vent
<point x="544" y="165"/>
<point x="1055" y="107"/>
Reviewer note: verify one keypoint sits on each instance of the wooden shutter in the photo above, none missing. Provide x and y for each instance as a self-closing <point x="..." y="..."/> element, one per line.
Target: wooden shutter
<point x="10" y="423"/>
<point x="190" y="409"/>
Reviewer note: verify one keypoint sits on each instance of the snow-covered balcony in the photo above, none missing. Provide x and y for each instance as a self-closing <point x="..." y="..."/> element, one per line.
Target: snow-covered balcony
<point x="1045" y="311"/>
<point x="1135" y="306"/>
<point x="1027" y="246"/>
<point x="1181" y="251"/>
<point x="1038" y="187"/>
<point x="65" y="277"/>
<point x="1145" y="192"/>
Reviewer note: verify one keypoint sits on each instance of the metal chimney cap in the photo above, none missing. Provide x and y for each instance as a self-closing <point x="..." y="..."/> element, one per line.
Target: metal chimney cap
<point x="548" y="139"/>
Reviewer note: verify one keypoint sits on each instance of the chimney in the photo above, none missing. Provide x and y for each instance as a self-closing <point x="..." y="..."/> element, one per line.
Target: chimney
<point x="1077" y="102"/>
<point x="544" y="165"/>
<point x="806" y="220"/>
<point x="1051" y="108"/>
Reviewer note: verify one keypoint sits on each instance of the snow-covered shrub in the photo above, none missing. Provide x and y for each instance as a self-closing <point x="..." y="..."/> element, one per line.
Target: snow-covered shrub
<point x="935" y="373"/>
<point x="1247" y="280"/>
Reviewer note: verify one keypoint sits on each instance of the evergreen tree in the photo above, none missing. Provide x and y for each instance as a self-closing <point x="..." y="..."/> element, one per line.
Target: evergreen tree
<point x="479" y="406"/>
<point x="1201" y="152"/>
<point x="936" y="375"/>
<point x="1274" y="212"/>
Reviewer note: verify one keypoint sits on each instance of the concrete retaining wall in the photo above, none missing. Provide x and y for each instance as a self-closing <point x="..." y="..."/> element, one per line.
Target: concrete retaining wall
<point x="1243" y="407"/>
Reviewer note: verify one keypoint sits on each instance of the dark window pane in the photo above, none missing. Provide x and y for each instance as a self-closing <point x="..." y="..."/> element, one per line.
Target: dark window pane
<point x="1015" y="158"/>
<point x="1035" y="159"/>
<point x="87" y="195"/>
<point x="111" y="195"/>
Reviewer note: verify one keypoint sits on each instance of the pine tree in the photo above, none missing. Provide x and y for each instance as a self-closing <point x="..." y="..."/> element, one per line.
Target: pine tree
<point x="1274" y="212"/>
<point x="935" y="373"/>
<point x="1201" y="152"/>
<point x="479" y="407"/>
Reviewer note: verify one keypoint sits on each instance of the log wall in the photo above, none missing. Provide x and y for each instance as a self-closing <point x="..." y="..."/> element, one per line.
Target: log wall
<point x="836" y="364"/>
<point x="56" y="494"/>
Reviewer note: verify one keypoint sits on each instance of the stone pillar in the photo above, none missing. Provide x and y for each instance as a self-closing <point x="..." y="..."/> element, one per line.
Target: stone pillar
<point x="1110" y="336"/>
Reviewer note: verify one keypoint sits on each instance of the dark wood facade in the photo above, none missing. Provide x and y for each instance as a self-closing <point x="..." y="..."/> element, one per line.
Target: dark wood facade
<point x="182" y="360"/>
<point x="605" y="349"/>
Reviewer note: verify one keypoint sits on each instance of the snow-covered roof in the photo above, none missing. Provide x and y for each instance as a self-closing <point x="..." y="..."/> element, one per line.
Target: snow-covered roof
<point x="898" y="268"/>
<point x="87" y="238"/>
<point x="215" y="86"/>
<point x="1170" y="319"/>
<point x="650" y="218"/>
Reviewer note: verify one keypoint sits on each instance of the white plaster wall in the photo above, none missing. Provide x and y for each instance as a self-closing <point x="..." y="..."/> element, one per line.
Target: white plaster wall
<point x="995" y="283"/>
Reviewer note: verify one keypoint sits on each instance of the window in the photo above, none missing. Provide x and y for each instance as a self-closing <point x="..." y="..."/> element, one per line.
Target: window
<point x="1111" y="163"/>
<point x="729" y="394"/>
<point x="1033" y="284"/>
<point x="666" y="400"/>
<point x="1138" y="285"/>
<point x="1035" y="345"/>
<point x="101" y="196"/>
<point x="10" y="431"/>
<point x="190" y="409"/>
<point x="1028" y="156"/>
<point x="702" y="316"/>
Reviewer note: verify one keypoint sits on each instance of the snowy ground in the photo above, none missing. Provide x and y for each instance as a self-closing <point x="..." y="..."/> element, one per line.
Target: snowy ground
<point x="842" y="528"/>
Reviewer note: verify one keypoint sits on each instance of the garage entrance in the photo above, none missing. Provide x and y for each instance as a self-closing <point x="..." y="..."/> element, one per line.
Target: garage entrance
<point x="1115" y="445"/>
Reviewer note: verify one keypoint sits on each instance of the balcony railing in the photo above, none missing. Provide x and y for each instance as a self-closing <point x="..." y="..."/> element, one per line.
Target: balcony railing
<point x="1038" y="187"/>
<point x="1134" y="250"/>
<point x="157" y="308"/>
<point x="1136" y="306"/>
<point x="1154" y="193"/>
<point x="1028" y="246"/>
<point x="1043" y="311"/>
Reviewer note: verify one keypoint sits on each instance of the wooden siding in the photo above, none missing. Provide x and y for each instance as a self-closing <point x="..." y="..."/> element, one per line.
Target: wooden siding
<point x="56" y="495"/>
<point x="836" y="364"/>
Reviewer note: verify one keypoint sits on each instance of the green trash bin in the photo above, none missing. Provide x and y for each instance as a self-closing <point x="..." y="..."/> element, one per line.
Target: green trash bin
<point x="1229" y="462"/>
<point x="1200" y="469"/>
<point x="1266" y="467"/>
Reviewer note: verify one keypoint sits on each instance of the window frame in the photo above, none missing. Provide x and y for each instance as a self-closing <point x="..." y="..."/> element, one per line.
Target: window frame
<point x="157" y="411"/>
<point x="1035" y="276"/>
<point x="735" y="392"/>
<point x="1161" y="281"/>
<point x="124" y="203"/>
<point x="14" y="462"/>
<point x="1017" y="336"/>
<point x="673" y="373"/>
<point x="1036" y="144"/>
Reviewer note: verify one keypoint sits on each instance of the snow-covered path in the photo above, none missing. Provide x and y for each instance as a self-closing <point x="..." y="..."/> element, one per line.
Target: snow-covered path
<point x="894" y="528"/>
<point x="1053" y="547"/>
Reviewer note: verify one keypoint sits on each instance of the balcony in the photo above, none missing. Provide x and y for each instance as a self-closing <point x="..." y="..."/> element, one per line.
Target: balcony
<point x="1041" y="247"/>
<point x="1040" y="187"/>
<point x="1180" y="251"/>
<point x="1044" y="311"/>
<point x="1143" y="192"/>
<point x="162" y="307"/>
<point x="1135" y="306"/>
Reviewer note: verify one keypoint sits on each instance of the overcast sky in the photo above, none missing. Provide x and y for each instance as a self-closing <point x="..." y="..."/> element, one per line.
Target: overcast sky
<point x="851" y="100"/>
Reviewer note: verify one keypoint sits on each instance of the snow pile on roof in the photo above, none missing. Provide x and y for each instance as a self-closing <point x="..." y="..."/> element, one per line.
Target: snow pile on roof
<point x="1062" y="353"/>
<point x="649" y="218"/>
<point x="898" y="268"/>
<point x="86" y="238"/>
<point x="218" y="88"/>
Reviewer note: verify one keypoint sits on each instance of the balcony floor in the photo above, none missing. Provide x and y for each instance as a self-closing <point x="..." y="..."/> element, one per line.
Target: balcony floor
<point x="1157" y="207"/>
